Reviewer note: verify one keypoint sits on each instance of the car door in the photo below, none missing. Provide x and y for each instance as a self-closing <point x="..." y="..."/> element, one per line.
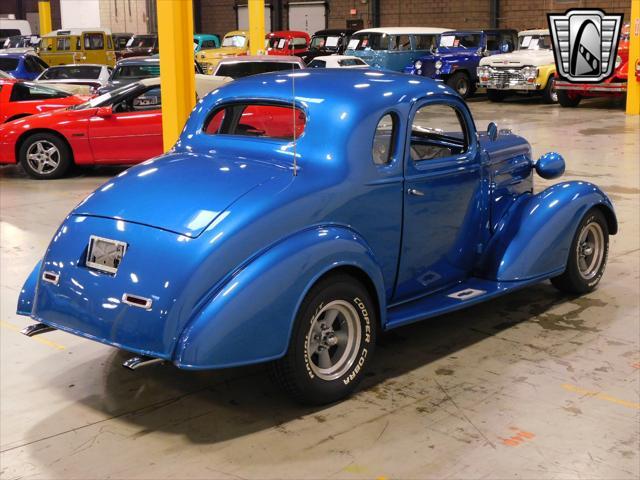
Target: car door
<point x="132" y="132"/>
<point x="442" y="199"/>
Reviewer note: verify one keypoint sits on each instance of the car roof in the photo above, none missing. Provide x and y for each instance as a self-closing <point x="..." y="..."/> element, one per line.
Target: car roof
<point x="75" y="32"/>
<point x="16" y="54"/>
<point x="287" y="33"/>
<point x="405" y="30"/>
<point x="336" y="31"/>
<point x="139" y="60"/>
<point x="484" y="30"/>
<point x="69" y="65"/>
<point x="237" y="32"/>
<point x="536" y="31"/>
<point x="337" y="57"/>
<point x="262" y="58"/>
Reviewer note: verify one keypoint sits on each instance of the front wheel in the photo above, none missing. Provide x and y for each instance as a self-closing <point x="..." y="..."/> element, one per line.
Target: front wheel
<point x="587" y="255"/>
<point x="568" y="99"/>
<point x="332" y="342"/>
<point x="461" y="83"/>
<point x="45" y="156"/>
<point x="549" y="93"/>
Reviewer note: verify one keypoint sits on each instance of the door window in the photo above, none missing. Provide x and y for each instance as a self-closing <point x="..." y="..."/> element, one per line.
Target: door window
<point x="437" y="131"/>
<point x="425" y="42"/>
<point x="146" y="100"/>
<point x="400" y="43"/>
<point x="63" y="43"/>
<point x="93" y="41"/>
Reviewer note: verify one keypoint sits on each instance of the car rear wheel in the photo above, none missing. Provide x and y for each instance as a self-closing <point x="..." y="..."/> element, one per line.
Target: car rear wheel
<point x="45" y="156"/>
<point x="461" y="83"/>
<point x="568" y="99"/>
<point x="332" y="342"/>
<point x="550" y="94"/>
<point x="495" y="95"/>
<point x="587" y="255"/>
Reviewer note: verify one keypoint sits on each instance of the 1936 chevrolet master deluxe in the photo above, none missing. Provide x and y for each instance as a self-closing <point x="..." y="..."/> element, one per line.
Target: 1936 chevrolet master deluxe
<point x="293" y="228"/>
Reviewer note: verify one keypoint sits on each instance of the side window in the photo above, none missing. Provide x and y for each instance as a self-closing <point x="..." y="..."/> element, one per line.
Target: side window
<point x="437" y="131"/>
<point x="298" y="42"/>
<point x="425" y="42"/>
<point x="31" y="91"/>
<point x="149" y="99"/>
<point x="257" y="120"/>
<point x="384" y="140"/>
<point x="400" y="43"/>
<point x="109" y="43"/>
<point x="493" y="42"/>
<point x="93" y="41"/>
<point x="63" y="43"/>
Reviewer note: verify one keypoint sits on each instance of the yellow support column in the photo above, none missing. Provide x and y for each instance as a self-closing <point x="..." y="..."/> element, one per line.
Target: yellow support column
<point x="44" y="15"/>
<point x="256" y="26"/>
<point x="633" y="86"/>
<point x="177" y="76"/>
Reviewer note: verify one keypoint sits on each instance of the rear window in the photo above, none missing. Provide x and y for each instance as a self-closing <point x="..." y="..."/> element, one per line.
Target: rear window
<point x="244" y="69"/>
<point x="83" y="72"/>
<point x="141" y="42"/>
<point x="136" y="71"/>
<point x="257" y="120"/>
<point x="351" y="62"/>
<point x="29" y="91"/>
<point x="9" y="32"/>
<point x="317" y="64"/>
<point x="8" y="64"/>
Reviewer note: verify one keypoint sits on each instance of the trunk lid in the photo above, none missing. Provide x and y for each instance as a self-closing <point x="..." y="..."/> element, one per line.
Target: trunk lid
<point x="180" y="193"/>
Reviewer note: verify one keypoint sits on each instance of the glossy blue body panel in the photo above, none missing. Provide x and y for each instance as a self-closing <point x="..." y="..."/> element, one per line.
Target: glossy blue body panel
<point x="226" y="235"/>
<point x="454" y="59"/>
<point x="550" y="165"/>
<point x="21" y="71"/>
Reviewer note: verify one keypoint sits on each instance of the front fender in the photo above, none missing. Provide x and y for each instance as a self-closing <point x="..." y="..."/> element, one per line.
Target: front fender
<point x="533" y="238"/>
<point x="28" y="292"/>
<point x="249" y="320"/>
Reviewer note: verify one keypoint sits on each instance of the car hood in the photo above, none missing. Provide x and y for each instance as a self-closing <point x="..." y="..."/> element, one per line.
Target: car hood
<point x="220" y="52"/>
<point x="181" y="192"/>
<point x="536" y="58"/>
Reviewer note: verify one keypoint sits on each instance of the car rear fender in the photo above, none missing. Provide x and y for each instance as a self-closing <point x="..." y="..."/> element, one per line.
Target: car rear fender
<point x="533" y="239"/>
<point x="28" y="292"/>
<point x="250" y="318"/>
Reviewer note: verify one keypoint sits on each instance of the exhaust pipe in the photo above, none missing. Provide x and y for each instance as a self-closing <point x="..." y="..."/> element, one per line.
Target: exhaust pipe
<point x="135" y="363"/>
<point x="36" y="329"/>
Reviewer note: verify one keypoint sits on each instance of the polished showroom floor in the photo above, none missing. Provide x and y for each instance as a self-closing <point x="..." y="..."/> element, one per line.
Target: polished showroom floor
<point x="533" y="385"/>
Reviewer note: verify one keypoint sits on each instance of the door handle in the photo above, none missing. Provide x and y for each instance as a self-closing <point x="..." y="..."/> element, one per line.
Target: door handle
<point x="415" y="192"/>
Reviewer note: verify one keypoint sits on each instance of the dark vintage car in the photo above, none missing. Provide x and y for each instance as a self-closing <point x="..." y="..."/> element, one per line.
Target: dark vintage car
<point x="327" y="42"/>
<point x="120" y="41"/>
<point x="291" y="223"/>
<point x="129" y="70"/>
<point x="140" y="45"/>
<point x="458" y="55"/>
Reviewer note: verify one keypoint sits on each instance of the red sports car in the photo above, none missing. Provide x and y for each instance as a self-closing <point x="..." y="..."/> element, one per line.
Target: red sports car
<point x="19" y="99"/>
<point x="121" y="127"/>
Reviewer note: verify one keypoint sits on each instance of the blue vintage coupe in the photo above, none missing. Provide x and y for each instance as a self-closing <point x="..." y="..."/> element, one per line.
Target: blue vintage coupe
<point x="294" y="229"/>
<point x="458" y="55"/>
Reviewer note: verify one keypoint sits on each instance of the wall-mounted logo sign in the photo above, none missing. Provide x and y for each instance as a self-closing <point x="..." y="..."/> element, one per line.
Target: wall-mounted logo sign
<point x="585" y="42"/>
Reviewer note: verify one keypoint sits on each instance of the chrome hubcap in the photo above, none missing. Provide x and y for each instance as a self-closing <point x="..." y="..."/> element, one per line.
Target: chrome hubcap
<point x="333" y="340"/>
<point x="462" y="87"/>
<point x="554" y="92"/>
<point x="590" y="250"/>
<point x="43" y="156"/>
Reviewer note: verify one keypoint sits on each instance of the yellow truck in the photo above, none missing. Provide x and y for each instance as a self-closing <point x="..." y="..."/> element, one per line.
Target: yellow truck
<point x="234" y="43"/>
<point x="61" y="47"/>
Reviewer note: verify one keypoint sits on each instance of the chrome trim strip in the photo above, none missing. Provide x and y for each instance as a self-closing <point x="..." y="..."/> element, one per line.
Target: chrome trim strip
<point x="134" y="363"/>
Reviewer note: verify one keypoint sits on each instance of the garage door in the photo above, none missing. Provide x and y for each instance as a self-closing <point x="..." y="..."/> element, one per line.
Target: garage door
<point x="243" y="17"/>
<point x="307" y="16"/>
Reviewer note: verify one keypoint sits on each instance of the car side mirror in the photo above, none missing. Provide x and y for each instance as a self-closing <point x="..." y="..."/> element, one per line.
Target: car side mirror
<point x="492" y="131"/>
<point x="550" y="165"/>
<point x="104" y="112"/>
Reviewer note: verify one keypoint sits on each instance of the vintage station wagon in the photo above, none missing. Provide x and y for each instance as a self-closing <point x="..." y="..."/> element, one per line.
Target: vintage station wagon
<point x="258" y="238"/>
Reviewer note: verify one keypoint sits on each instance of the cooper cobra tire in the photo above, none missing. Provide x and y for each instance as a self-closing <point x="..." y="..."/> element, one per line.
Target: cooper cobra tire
<point x="332" y="342"/>
<point x="461" y="83"/>
<point x="45" y="156"/>
<point x="495" y="95"/>
<point x="550" y="94"/>
<point x="587" y="255"/>
<point x="568" y="100"/>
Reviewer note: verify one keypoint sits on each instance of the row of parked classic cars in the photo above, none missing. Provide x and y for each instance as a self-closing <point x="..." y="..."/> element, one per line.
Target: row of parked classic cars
<point x="501" y="61"/>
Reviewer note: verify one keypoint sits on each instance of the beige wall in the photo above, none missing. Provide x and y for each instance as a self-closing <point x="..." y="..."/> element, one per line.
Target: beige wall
<point x="124" y="15"/>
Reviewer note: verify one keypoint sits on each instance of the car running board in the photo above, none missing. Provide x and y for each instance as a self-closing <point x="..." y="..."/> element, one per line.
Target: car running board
<point x="461" y="295"/>
<point x="36" y="329"/>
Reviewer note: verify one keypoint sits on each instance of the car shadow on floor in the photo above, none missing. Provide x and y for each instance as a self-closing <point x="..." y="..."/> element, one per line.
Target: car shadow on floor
<point x="216" y="406"/>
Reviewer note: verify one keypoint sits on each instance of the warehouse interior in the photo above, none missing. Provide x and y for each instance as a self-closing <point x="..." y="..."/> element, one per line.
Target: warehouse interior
<point x="536" y="382"/>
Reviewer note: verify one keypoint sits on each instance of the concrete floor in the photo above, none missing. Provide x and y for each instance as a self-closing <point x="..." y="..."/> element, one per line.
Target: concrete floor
<point x="533" y="385"/>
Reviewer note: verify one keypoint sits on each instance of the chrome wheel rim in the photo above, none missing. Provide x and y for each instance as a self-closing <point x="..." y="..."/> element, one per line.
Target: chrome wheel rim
<point x="463" y="87"/>
<point x="590" y="250"/>
<point x="333" y="340"/>
<point x="554" y="92"/>
<point x="43" y="157"/>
